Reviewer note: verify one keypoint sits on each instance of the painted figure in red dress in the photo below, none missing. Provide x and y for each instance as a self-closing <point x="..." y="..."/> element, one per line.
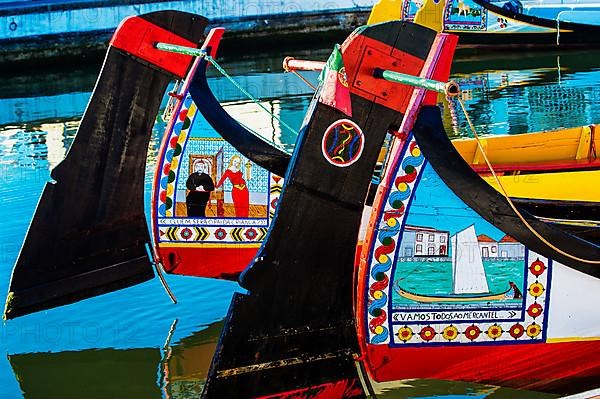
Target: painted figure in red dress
<point x="239" y="193"/>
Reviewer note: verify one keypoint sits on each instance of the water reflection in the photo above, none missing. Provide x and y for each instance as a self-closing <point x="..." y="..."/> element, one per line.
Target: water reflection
<point x="506" y="94"/>
<point x="179" y="371"/>
<point x="175" y="372"/>
<point x="527" y="92"/>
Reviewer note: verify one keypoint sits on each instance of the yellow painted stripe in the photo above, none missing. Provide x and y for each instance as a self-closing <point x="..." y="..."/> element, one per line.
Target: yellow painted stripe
<point x="226" y="245"/>
<point x="571" y="339"/>
<point x="553" y="146"/>
<point x="560" y="186"/>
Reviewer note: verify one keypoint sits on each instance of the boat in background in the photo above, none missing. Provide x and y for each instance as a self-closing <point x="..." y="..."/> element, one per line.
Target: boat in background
<point x="509" y="22"/>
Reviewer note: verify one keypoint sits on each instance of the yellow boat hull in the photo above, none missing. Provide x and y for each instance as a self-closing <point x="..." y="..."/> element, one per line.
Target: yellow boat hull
<point x="558" y="165"/>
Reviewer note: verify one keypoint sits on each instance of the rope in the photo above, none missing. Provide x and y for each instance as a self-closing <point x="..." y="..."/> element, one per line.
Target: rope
<point x="159" y="273"/>
<point x="304" y="80"/>
<point x="510" y="202"/>
<point x="247" y="94"/>
<point x="287" y="69"/>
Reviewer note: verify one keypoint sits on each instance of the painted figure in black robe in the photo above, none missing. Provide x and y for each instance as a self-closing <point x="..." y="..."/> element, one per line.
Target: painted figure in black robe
<point x="200" y="185"/>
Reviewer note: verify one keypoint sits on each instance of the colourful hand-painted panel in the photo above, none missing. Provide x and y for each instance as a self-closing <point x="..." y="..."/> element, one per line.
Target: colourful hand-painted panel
<point x="463" y="15"/>
<point x="208" y="192"/>
<point x="468" y="16"/>
<point x="441" y="274"/>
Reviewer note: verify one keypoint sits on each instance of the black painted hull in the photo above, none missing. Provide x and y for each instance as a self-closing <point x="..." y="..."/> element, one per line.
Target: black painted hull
<point x="295" y="329"/>
<point x="89" y="234"/>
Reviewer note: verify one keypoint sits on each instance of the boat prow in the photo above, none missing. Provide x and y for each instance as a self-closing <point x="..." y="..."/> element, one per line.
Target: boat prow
<point x="89" y="234"/>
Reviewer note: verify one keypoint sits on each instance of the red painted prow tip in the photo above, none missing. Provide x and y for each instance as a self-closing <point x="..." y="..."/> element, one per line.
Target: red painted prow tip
<point x="137" y="36"/>
<point x="212" y="41"/>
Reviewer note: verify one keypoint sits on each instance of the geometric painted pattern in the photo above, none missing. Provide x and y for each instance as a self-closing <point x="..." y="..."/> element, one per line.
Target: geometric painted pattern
<point x="175" y="144"/>
<point x="387" y="233"/>
<point x="215" y="234"/>
<point x="220" y="233"/>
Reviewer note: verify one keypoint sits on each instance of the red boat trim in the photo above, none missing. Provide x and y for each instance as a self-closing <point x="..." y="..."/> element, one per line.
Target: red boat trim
<point x="548" y="367"/>
<point x="137" y="37"/>
<point x="211" y="44"/>
<point x="224" y="262"/>
<point x="438" y="50"/>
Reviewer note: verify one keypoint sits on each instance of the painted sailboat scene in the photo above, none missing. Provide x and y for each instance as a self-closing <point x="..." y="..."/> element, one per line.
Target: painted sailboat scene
<point x="468" y="276"/>
<point x="397" y="200"/>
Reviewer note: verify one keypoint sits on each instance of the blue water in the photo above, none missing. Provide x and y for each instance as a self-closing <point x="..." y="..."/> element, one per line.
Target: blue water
<point x="435" y="278"/>
<point x="57" y="349"/>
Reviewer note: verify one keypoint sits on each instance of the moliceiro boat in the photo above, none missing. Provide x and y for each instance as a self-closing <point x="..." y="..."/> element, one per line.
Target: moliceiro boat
<point x="89" y="235"/>
<point x="504" y="23"/>
<point x="220" y="243"/>
<point x="317" y="326"/>
<point x="371" y="164"/>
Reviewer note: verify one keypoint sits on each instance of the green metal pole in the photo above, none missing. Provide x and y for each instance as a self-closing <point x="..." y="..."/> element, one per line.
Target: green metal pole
<point x="450" y="88"/>
<point x="195" y="52"/>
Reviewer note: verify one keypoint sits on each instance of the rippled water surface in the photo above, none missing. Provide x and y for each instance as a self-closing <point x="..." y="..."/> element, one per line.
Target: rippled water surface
<point x="135" y="343"/>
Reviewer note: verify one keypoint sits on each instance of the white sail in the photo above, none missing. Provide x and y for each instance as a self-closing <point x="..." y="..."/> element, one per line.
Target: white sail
<point x="468" y="274"/>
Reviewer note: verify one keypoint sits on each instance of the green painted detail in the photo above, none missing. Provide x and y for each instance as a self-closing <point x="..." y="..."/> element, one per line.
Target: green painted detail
<point x="186" y="123"/>
<point x="177" y="150"/>
<point x="415" y="81"/>
<point x="173" y="48"/>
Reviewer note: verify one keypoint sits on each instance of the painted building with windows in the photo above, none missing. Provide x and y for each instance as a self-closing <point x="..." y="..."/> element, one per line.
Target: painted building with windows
<point x="424" y="241"/>
<point x="509" y="248"/>
<point x="487" y="246"/>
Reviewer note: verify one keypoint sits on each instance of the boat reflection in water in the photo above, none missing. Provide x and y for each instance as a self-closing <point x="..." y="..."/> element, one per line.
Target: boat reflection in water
<point x="175" y="371"/>
<point x="179" y="370"/>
